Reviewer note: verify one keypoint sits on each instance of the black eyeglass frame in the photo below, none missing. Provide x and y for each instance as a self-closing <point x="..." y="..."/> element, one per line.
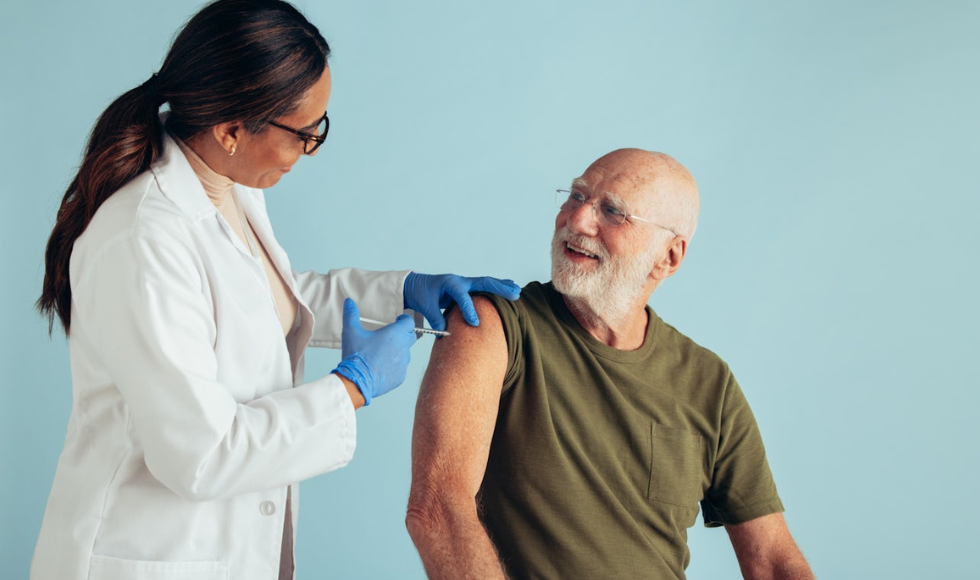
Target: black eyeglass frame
<point x="308" y="138"/>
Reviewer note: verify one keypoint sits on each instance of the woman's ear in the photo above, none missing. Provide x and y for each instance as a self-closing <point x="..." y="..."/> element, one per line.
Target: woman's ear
<point x="228" y="135"/>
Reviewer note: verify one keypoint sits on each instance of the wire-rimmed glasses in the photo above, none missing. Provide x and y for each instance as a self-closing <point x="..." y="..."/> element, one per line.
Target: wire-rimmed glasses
<point x="606" y="211"/>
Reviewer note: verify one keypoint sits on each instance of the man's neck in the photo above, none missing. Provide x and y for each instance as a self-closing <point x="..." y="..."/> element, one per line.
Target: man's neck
<point x="624" y="332"/>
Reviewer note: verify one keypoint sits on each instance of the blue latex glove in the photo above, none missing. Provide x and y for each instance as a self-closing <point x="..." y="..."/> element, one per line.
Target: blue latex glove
<point x="429" y="294"/>
<point x="374" y="360"/>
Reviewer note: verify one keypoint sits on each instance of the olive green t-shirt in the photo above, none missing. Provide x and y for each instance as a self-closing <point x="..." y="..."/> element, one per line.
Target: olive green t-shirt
<point x="601" y="456"/>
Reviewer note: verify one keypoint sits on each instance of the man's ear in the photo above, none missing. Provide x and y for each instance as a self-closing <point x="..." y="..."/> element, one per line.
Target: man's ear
<point x="228" y="134"/>
<point x="671" y="260"/>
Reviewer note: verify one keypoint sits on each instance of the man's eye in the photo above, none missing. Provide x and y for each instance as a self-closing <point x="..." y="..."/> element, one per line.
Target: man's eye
<point x="577" y="197"/>
<point x="613" y="210"/>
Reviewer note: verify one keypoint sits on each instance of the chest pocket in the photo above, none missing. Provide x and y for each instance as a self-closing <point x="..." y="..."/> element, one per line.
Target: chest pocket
<point x="676" y="467"/>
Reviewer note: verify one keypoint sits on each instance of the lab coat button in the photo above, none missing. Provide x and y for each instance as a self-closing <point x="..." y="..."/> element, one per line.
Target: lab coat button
<point x="267" y="508"/>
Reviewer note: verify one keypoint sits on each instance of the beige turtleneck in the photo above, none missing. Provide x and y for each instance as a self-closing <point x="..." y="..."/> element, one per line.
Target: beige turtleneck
<point x="221" y="192"/>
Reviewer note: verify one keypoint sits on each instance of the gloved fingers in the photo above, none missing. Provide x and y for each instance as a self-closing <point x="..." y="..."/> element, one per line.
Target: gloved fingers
<point x="352" y="332"/>
<point x="503" y="288"/>
<point x="376" y="361"/>
<point x="406" y="324"/>
<point x="436" y="320"/>
<point x="460" y="294"/>
<point x="352" y="317"/>
<point x="424" y="293"/>
<point x="433" y="314"/>
<point x="430" y="294"/>
<point x="392" y="352"/>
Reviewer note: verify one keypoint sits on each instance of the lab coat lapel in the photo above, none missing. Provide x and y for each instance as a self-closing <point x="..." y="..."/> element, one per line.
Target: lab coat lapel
<point x="253" y="205"/>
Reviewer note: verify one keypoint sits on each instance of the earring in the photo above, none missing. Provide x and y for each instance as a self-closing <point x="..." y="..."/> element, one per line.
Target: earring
<point x="232" y="152"/>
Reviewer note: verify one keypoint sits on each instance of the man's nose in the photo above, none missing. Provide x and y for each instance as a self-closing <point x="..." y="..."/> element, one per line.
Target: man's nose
<point x="584" y="220"/>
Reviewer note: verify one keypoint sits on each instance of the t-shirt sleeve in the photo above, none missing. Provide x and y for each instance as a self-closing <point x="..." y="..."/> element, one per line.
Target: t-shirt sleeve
<point x="742" y="487"/>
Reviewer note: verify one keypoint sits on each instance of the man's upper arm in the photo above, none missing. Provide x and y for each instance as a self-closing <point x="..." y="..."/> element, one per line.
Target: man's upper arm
<point x="457" y="406"/>
<point x="765" y="549"/>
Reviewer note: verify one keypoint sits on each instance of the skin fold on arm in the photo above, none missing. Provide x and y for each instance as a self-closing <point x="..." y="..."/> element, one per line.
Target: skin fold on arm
<point x="454" y="423"/>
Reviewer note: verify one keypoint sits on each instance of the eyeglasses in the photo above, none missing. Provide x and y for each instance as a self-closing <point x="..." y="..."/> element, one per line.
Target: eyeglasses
<point x="311" y="141"/>
<point x="606" y="212"/>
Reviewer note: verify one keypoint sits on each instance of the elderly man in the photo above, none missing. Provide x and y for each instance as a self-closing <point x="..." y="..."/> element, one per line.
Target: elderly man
<point x="574" y="433"/>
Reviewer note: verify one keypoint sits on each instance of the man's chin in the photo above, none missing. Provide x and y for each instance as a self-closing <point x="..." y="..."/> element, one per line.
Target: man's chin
<point x="574" y="285"/>
<point x="598" y="298"/>
<point x="572" y="273"/>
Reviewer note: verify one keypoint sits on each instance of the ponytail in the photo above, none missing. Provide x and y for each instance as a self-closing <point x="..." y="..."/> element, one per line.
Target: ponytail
<point x="126" y="139"/>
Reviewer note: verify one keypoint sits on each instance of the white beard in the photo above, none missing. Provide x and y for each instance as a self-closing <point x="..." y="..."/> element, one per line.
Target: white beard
<point x="611" y="289"/>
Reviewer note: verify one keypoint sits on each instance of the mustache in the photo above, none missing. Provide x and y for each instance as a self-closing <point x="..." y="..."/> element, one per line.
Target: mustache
<point x="592" y="246"/>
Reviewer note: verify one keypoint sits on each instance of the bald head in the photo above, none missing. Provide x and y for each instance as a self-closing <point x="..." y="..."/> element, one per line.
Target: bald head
<point x="659" y="187"/>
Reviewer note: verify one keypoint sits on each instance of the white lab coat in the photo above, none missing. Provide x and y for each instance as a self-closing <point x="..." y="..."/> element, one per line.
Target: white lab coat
<point x="190" y="417"/>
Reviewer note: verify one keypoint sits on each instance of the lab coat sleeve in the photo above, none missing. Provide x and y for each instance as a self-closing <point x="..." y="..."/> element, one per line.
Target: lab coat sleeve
<point x="379" y="295"/>
<point x="144" y="300"/>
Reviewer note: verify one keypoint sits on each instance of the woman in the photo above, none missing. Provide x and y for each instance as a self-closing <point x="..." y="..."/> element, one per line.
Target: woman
<point x="191" y="420"/>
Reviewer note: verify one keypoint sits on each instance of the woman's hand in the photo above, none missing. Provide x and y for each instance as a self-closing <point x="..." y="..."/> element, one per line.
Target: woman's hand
<point x="374" y="360"/>
<point x="429" y="294"/>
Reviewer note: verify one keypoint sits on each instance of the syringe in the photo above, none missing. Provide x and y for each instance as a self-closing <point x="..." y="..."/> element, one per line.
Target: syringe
<point x="422" y="330"/>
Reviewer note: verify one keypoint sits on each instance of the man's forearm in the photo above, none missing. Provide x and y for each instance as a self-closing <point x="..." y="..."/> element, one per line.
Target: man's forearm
<point x="454" y="422"/>
<point x="796" y="570"/>
<point x="792" y="568"/>
<point x="453" y="545"/>
<point x="766" y="550"/>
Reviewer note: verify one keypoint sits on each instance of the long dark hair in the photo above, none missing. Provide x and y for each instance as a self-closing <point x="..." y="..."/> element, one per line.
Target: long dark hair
<point x="235" y="60"/>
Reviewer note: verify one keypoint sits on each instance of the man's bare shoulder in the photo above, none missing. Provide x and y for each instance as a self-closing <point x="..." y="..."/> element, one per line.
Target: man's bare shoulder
<point x="489" y="332"/>
<point x="473" y="350"/>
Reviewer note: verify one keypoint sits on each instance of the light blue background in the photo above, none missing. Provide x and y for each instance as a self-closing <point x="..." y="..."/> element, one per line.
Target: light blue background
<point x="835" y="144"/>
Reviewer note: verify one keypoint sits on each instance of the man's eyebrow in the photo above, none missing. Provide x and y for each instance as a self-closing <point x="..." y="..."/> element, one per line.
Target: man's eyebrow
<point x="614" y="199"/>
<point x="609" y="196"/>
